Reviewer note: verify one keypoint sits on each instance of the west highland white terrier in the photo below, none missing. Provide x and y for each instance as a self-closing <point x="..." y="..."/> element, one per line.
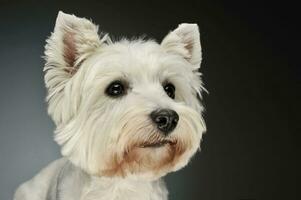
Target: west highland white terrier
<point x="126" y="112"/>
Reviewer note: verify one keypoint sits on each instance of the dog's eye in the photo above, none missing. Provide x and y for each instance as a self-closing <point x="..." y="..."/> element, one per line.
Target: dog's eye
<point x="115" y="89"/>
<point x="170" y="90"/>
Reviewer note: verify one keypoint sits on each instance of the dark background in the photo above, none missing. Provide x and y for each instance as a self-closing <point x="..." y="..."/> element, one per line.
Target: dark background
<point x="251" y="68"/>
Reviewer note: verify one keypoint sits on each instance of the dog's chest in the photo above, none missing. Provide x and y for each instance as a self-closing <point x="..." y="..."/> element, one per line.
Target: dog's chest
<point x="76" y="185"/>
<point x="125" y="190"/>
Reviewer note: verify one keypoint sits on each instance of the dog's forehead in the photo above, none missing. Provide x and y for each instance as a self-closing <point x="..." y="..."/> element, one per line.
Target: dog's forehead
<point x="139" y="60"/>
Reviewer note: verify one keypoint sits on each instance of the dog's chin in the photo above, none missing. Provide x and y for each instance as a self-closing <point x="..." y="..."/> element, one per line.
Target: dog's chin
<point x="151" y="159"/>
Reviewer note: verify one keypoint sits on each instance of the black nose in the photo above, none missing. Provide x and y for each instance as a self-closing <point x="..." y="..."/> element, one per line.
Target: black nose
<point x="165" y="119"/>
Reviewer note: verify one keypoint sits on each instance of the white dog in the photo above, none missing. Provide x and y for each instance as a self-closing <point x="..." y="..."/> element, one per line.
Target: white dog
<point x="126" y="112"/>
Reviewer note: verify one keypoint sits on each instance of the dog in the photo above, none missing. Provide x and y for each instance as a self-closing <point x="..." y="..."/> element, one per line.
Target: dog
<point x="127" y="112"/>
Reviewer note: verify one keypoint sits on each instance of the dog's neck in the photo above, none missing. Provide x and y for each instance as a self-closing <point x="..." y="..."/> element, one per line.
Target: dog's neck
<point x="74" y="184"/>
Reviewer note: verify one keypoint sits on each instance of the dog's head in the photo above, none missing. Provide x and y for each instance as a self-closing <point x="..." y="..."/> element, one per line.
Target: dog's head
<point x="125" y="108"/>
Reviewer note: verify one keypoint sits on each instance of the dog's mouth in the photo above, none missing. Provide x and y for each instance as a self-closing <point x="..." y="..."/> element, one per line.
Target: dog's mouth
<point x="157" y="144"/>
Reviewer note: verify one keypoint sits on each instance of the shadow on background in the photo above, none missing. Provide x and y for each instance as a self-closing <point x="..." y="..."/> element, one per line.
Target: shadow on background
<point x="250" y="69"/>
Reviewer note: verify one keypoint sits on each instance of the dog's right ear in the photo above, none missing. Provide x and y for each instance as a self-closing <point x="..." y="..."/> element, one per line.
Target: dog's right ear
<point x="73" y="40"/>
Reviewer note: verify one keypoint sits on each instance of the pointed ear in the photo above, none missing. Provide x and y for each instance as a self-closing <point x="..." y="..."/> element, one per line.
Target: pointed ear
<point x="184" y="41"/>
<point x="72" y="41"/>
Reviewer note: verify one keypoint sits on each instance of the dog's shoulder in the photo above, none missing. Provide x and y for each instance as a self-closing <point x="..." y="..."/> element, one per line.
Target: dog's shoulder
<point x="38" y="187"/>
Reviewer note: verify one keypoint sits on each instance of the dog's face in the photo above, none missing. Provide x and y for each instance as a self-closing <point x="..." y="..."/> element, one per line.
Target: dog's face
<point x="126" y="108"/>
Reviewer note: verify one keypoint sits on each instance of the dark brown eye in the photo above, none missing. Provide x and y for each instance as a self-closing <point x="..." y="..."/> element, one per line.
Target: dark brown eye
<point x="170" y="90"/>
<point x="115" y="89"/>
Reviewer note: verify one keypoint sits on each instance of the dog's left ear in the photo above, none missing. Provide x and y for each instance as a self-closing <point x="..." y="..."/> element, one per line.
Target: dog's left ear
<point x="184" y="41"/>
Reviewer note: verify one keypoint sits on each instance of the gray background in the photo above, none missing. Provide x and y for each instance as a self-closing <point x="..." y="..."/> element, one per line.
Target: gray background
<point x="250" y="68"/>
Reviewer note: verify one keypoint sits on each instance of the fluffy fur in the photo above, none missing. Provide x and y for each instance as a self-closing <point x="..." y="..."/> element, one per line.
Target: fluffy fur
<point x="102" y="138"/>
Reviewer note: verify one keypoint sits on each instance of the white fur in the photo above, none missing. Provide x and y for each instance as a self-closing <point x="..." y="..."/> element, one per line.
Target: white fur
<point x="95" y="130"/>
